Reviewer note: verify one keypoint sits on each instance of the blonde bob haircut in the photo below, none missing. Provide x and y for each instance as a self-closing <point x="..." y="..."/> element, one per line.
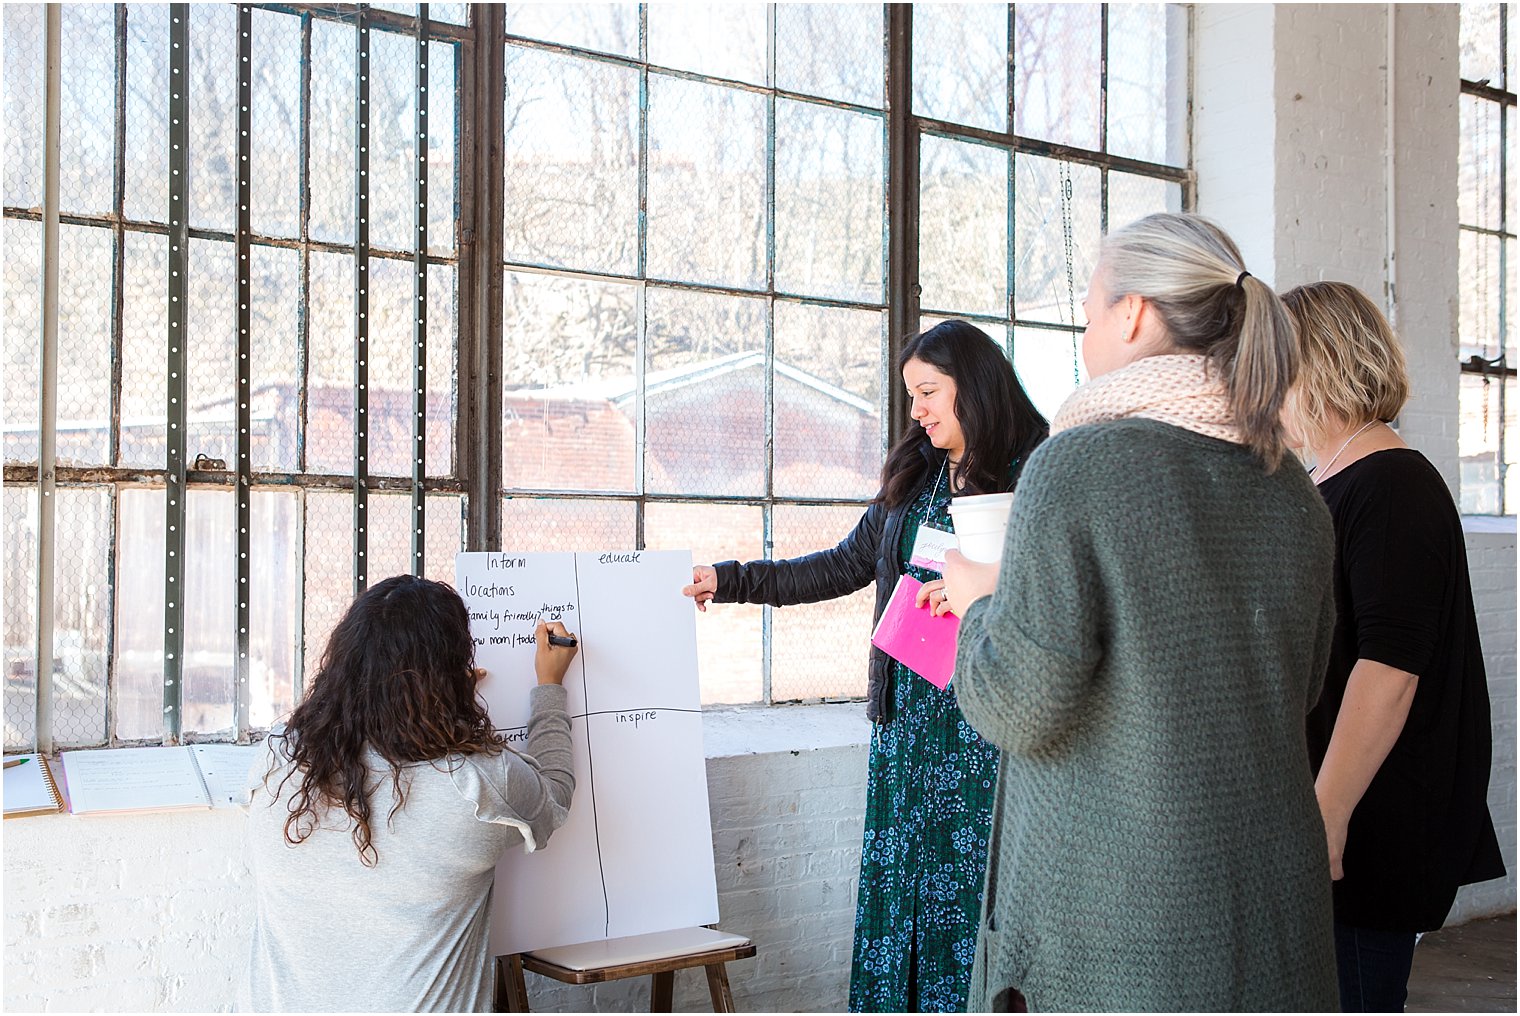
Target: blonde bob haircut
<point x="1350" y="363"/>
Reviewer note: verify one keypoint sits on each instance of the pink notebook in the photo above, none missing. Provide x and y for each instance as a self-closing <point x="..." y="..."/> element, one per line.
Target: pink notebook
<point x="914" y="637"/>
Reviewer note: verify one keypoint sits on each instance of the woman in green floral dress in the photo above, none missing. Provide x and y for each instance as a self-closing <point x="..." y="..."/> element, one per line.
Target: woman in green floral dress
<point x="930" y="777"/>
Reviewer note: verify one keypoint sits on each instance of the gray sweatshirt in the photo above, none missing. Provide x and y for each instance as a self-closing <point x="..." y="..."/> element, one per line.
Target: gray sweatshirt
<point x="409" y="934"/>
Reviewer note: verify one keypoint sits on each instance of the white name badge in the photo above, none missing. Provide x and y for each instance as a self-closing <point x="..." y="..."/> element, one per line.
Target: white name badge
<point x="929" y="547"/>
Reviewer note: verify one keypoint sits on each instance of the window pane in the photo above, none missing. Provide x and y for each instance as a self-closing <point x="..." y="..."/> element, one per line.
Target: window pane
<point x="1057" y="64"/>
<point x="1046" y="286"/>
<point x="729" y="653"/>
<point x="1147" y="82"/>
<point x="831" y="50"/>
<point x="1480" y="43"/>
<point x="210" y="547"/>
<point x="819" y="650"/>
<point x="1133" y="197"/>
<point x="20" y="604"/>
<point x="390" y="387"/>
<point x="611" y="28"/>
<point x="333" y="56"/>
<point x="444" y="536"/>
<point x="213" y="117"/>
<point x="706" y="183"/>
<point x="392" y="140"/>
<point x="723" y="40"/>
<point x="24" y="83"/>
<point x="327" y="571"/>
<point x="828" y="401"/>
<point x="390" y="535"/>
<point x="1478" y="286"/>
<point x="22" y="302"/>
<point x="571" y="155"/>
<point x="963" y="226"/>
<point x="1049" y="365"/>
<point x="960" y="63"/>
<point x="707" y="364"/>
<point x="531" y="524"/>
<point x="442" y="380"/>
<point x="275" y="318"/>
<point x="330" y="373"/>
<point x="139" y="633"/>
<point x="828" y="202"/>
<point x="568" y="369"/>
<point x="84" y="345"/>
<point x="1478" y="438"/>
<point x="274" y="581"/>
<point x="274" y="175"/>
<point x="211" y="377"/>
<point x="147" y="190"/>
<point x="443" y="59"/>
<point x="145" y="325"/>
<point x="81" y="613"/>
<point x="87" y="107"/>
<point x="1479" y="172"/>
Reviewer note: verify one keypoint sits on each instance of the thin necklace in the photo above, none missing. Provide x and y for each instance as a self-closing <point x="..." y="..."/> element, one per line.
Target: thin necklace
<point x="1321" y="470"/>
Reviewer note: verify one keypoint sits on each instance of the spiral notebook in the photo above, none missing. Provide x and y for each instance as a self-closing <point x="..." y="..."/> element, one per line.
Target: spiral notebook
<point x="115" y="780"/>
<point x="914" y="637"/>
<point x="29" y="787"/>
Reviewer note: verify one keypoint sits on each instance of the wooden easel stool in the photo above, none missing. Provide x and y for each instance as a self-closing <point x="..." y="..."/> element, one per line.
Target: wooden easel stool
<point x="659" y="954"/>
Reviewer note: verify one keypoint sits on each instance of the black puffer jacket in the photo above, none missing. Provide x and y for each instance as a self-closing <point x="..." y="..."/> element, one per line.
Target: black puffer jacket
<point x="869" y="552"/>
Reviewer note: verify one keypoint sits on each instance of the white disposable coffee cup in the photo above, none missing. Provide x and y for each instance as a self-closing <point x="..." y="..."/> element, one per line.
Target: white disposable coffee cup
<point x="980" y="522"/>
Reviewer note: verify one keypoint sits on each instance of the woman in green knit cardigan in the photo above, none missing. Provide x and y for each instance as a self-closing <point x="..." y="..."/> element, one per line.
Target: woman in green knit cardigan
<point x="1146" y="657"/>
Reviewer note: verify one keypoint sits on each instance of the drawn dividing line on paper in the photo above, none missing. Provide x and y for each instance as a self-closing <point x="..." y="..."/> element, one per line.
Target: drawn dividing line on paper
<point x="610" y="712"/>
<point x="591" y="760"/>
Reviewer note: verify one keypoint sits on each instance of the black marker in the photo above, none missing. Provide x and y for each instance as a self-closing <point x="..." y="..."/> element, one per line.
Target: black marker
<point x="567" y="641"/>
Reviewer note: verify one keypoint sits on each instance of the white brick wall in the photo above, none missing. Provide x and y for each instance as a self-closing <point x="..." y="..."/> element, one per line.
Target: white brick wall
<point x="152" y="912"/>
<point x="1491" y="562"/>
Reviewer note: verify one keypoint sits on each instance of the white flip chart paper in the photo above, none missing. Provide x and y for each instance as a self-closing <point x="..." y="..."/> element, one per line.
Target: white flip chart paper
<point x="635" y="855"/>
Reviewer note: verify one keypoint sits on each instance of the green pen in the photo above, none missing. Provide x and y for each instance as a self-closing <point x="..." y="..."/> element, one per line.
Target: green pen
<point x="10" y="762"/>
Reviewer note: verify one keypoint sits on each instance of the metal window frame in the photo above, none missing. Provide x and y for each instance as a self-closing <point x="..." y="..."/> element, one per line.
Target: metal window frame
<point x="1499" y="369"/>
<point x="478" y="258"/>
<point x="177" y="477"/>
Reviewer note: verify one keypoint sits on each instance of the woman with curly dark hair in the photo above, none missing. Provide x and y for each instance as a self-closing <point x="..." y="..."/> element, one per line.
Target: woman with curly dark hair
<point x="382" y="807"/>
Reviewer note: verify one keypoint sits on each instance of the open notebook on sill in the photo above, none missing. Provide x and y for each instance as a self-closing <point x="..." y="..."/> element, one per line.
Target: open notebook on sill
<point x="118" y="780"/>
<point x="29" y="787"/>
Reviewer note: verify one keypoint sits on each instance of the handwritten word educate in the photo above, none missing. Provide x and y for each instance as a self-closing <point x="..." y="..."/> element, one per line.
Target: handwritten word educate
<point x="632" y="558"/>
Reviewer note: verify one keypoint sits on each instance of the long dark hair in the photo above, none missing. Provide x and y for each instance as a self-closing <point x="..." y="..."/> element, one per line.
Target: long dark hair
<point x="398" y="675"/>
<point x="999" y="422"/>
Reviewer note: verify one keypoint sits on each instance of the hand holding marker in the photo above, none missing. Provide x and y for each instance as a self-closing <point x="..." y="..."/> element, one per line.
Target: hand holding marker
<point x="556" y="648"/>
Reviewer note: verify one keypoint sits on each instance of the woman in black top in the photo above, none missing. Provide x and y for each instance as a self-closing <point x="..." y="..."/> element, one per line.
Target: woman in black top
<point x="930" y="776"/>
<point x="1400" y="740"/>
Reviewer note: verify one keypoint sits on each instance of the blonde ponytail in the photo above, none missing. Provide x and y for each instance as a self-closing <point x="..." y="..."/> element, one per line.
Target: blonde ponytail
<point x="1192" y="273"/>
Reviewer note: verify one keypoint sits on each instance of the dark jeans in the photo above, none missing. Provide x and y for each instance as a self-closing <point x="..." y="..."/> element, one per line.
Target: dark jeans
<point x="1374" y="968"/>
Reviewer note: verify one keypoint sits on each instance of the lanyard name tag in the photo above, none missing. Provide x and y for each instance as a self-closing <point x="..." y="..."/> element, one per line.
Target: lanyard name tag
<point x="929" y="547"/>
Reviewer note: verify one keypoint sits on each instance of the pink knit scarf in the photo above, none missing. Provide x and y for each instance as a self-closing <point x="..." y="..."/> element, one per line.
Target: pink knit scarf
<point x="1176" y="389"/>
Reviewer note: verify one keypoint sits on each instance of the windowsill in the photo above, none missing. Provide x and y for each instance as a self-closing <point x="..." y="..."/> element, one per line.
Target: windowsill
<point x="729" y="731"/>
<point x="1489" y="524"/>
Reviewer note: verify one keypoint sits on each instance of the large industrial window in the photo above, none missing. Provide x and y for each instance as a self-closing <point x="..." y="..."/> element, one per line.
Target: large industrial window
<point x="1486" y="211"/>
<point x="526" y="276"/>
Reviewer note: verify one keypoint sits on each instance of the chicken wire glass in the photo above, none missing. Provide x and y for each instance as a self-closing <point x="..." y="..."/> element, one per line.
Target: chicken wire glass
<point x="1043" y="291"/>
<point x="22" y="80"/>
<point x="22" y="303"/>
<point x="828" y="202"/>
<point x="20" y="607"/>
<point x="568" y="383"/>
<point x="608" y="28"/>
<point x="707" y="363"/>
<point x="537" y="524"/>
<point x="960" y="64"/>
<point x="570" y="159"/>
<point x="963" y="226"/>
<point x="834" y="51"/>
<point x="87" y="103"/>
<point x="139" y="631"/>
<point x="799" y="671"/>
<point x="729" y="635"/>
